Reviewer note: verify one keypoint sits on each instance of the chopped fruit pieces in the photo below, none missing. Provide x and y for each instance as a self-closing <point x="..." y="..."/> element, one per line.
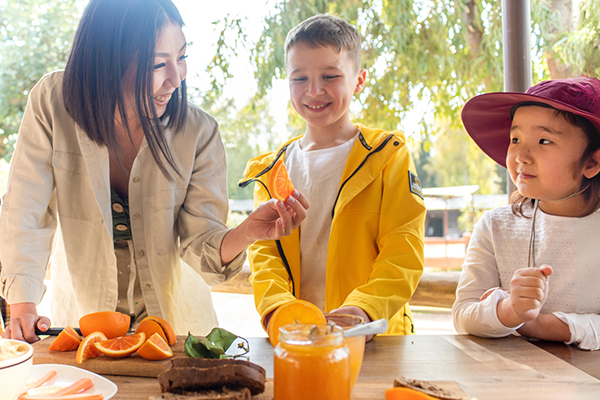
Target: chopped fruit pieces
<point x="86" y="349"/>
<point x="151" y="325"/>
<point x="155" y="348"/>
<point x="295" y="311"/>
<point x="67" y="340"/>
<point x="121" y="346"/>
<point x="280" y="184"/>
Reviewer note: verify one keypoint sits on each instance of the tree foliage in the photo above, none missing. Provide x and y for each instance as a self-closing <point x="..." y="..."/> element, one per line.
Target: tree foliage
<point x="35" y="38"/>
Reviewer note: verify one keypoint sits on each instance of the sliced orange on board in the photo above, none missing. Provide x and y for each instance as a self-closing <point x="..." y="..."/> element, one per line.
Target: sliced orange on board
<point x="121" y="346"/>
<point x="86" y="349"/>
<point x="299" y="311"/>
<point x="112" y="323"/>
<point x="280" y="184"/>
<point x="155" y="348"/>
<point x="151" y="325"/>
<point x="67" y="340"/>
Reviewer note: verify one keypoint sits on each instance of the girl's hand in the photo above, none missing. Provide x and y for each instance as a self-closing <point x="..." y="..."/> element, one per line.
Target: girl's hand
<point x="546" y="327"/>
<point x="275" y="219"/>
<point x="23" y="319"/>
<point x="528" y="293"/>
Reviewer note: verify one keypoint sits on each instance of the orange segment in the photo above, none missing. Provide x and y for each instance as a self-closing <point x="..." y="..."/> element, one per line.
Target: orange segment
<point x="121" y="346"/>
<point x="86" y="349"/>
<point x="151" y="325"/>
<point x="155" y="348"/>
<point x="66" y="341"/>
<point x="113" y="324"/>
<point x="295" y="311"/>
<point x="403" y="393"/>
<point x="280" y="184"/>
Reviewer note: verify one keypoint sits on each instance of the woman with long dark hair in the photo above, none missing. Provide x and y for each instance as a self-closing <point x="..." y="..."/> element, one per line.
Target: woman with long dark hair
<point x="125" y="181"/>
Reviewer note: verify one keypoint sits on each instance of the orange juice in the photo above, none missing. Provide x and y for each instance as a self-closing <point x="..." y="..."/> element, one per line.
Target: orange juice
<point x="311" y="362"/>
<point x="356" y="344"/>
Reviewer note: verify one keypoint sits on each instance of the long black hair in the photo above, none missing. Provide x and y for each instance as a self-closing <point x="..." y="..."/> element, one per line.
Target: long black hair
<point x="113" y="34"/>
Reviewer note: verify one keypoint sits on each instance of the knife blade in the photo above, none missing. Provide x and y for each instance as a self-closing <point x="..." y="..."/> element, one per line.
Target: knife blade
<point x="53" y="331"/>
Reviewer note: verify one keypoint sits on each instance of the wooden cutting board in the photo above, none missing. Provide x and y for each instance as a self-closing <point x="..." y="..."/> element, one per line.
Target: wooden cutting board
<point x="133" y="365"/>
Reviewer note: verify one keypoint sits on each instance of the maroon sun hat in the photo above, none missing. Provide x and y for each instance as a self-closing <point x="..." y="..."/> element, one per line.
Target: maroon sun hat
<point x="487" y="117"/>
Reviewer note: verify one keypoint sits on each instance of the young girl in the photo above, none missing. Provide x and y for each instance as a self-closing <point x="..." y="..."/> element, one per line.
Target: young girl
<point x="533" y="266"/>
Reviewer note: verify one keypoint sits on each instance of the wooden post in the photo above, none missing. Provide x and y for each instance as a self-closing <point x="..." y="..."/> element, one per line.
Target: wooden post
<point x="516" y="26"/>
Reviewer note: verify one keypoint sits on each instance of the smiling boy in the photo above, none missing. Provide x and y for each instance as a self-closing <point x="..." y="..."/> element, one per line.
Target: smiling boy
<point x="360" y="250"/>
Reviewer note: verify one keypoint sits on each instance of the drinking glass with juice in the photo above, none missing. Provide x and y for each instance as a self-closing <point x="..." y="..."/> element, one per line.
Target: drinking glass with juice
<point x="311" y="362"/>
<point x="356" y="344"/>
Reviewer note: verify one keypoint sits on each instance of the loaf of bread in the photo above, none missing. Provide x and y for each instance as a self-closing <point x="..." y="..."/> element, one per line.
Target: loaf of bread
<point x="201" y="375"/>
<point x="223" y="394"/>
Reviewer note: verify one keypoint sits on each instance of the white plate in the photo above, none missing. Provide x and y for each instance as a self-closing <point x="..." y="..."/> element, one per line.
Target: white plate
<point x="66" y="375"/>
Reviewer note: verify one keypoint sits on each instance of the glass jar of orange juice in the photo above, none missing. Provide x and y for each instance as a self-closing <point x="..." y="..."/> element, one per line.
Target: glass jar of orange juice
<point x="355" y="344"/>
<point x="311" y="362"/>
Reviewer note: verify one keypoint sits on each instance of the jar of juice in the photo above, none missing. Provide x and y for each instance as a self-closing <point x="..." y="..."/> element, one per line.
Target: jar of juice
<point x="311" y="362"/>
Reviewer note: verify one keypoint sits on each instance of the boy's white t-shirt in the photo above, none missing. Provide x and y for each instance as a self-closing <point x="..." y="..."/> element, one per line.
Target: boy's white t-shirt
<point x="317" y="175"/>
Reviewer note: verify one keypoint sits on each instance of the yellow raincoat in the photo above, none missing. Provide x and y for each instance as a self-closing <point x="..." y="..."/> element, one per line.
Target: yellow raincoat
<point x="375" y="249"/>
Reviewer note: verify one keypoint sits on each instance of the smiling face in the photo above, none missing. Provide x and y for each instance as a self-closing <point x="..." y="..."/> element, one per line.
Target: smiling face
<point x="322" y="83"/>
<point x="170" y="69"/>
<point x="544" y="158"/>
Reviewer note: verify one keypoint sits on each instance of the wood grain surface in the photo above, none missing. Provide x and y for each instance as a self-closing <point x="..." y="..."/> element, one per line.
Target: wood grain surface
<point x="509" y="368"/>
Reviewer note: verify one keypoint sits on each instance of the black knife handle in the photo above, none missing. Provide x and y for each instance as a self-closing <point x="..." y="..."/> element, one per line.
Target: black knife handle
<point x="53" y="331"/>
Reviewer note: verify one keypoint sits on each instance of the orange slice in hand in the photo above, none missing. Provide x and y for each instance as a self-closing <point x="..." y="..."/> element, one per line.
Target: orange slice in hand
<point x="151" y="325"/>
<point x="121" y="346"/>
<point x="67" y="340"/>
<point x="86" y="349"/>
<point x="113" y="324"/>
<point x="295" y="311"/>
<point x="280" y="183"/>
<point x="155" y="348"/>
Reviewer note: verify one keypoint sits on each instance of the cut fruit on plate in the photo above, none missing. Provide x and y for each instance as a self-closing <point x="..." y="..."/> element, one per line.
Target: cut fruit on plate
<point x="280" y="184"/>
<point x="155" y="348"/>
<point x="151" y="325"/>
<point x="67" y="340"/>
<point x="86" y="349"/>
<point x="66" y="375"/>
<point x="113" y="324"/>
<point x="121" y="346"/>
<point x="299" y="311"/>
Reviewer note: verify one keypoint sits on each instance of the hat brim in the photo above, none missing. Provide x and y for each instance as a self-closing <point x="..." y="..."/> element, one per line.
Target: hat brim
<point x="487" y="120"/>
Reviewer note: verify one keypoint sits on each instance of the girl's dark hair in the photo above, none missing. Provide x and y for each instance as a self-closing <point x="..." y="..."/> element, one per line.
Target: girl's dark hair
<point x="591" y="194"/>
<point x="112" y="35"/>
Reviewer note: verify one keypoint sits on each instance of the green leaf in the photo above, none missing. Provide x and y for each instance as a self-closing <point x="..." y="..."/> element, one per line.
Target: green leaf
<point x="216" y="343"/>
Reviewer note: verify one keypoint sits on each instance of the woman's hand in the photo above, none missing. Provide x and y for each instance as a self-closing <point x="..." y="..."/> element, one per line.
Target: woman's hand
<point x="23" y="320"/>
<point x="271" y="220"/>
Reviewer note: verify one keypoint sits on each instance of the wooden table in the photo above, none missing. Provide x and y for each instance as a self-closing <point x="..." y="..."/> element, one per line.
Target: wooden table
<point x="509" y="368"/>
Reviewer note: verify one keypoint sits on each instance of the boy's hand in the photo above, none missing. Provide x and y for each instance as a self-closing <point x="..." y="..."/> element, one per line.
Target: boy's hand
<point x="352" y="310"/>
<point x="528" y="293"/>
<point x="23" y="320"/>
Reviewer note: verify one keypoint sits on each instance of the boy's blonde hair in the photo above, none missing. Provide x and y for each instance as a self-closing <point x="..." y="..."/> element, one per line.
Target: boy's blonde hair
<point x="326" y="30"/>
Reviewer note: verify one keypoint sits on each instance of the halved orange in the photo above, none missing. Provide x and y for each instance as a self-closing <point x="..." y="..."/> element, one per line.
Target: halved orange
<point x="112" y="323"/>
<point x="121" y="346"/>
<point x="67" y="340"/>
<point x="151" y="325"/>
<point x="86" y="349"/>
<point x="155" y="348"/>
<point x="295" y="311"/>
<point x="280" y="184"/>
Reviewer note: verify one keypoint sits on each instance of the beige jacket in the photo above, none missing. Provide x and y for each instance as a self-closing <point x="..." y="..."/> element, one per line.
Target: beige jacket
<point x="59" y="182"/>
